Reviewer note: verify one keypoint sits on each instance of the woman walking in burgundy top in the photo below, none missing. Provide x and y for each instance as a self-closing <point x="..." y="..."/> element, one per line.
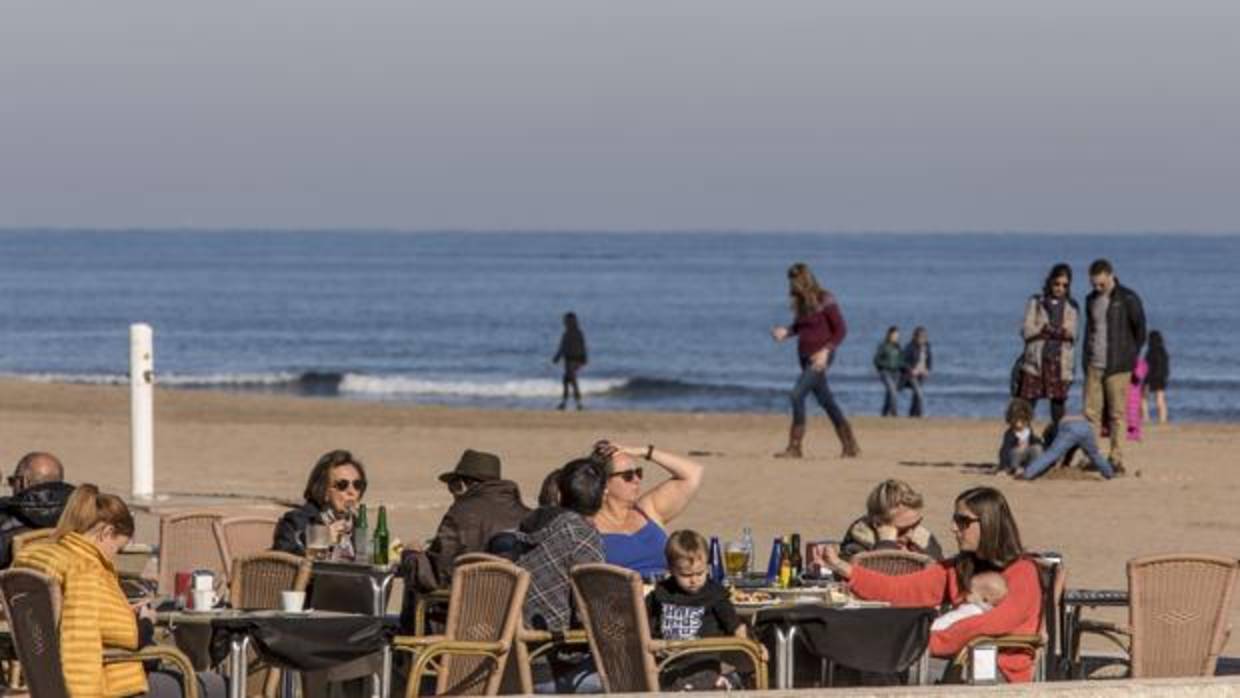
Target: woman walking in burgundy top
<point x="819" y="328"/>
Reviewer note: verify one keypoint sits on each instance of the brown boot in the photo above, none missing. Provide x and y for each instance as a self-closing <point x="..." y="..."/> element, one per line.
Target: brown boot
<point x="848" y="442"/>
<point x="795" y="436"/>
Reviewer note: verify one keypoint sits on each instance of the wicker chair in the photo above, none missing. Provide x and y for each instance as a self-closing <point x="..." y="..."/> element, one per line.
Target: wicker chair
<point x="188" y="541"/>
<point x="1177" y="615"/>
<point x="32" y="602"/>
<point x="484" y="612"/>
<point x="239" y="536"/>
<point x="892" y="562"/>
<point x="613" y="610"/>
<point x="256" y="583"/>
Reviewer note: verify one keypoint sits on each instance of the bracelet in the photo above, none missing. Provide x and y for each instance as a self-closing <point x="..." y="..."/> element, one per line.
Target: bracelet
<point x="650" y="452"/>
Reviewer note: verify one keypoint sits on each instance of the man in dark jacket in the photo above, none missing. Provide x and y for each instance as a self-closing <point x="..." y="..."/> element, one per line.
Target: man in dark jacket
<point x="484" y="504"/>
<point x="1114" y="333"/>
<point x="39" y="495"/>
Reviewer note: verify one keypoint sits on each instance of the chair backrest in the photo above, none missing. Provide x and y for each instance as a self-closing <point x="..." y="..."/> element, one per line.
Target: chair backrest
<point x="257" y="580"/>
<point x="32" y="602"/>
<point x="613" y="610"/>
<point x="22" y="540"/>
<point x="486" y="603"/>
<point x="892" y="562"/>
<point x="187" y="542"/>
<point x="471" y="558"/>
<point x="1178" y="607"/>
<point x="244" y="535"/>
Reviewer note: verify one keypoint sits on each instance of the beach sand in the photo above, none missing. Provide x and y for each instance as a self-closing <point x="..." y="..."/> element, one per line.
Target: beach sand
<point x="1179" y="495"/>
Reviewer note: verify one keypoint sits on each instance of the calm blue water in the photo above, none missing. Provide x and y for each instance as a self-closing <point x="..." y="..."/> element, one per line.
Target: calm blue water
<point x="676" y="322"/>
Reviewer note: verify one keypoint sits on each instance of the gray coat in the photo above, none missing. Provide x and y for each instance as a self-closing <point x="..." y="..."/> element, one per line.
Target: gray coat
<point x="1037" y="323"/>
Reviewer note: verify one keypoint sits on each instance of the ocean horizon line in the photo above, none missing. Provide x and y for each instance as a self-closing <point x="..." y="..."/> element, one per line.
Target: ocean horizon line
<point x="573" y="231"/>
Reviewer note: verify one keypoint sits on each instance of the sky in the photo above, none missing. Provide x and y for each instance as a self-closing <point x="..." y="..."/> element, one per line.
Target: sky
<point x="1118" y="115"/>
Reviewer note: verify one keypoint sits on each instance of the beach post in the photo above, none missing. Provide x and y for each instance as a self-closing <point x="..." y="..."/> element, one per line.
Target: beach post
<point x="141" y="410"/>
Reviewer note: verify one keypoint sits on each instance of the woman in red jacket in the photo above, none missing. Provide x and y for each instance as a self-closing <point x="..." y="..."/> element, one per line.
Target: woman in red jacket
<point x="988" y="539"/>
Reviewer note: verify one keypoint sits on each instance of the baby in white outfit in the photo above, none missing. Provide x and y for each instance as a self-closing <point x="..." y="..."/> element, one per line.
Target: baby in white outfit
<point x="987" y="590"/>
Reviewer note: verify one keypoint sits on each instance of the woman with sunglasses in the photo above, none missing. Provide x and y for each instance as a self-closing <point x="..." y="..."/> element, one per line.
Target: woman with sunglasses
<point x="989" y="541"/>
<point x="333" y="492"/>
<point x="1049" y="333"/>
<point x="892" y="522"/>
<point x="633" y="524"/>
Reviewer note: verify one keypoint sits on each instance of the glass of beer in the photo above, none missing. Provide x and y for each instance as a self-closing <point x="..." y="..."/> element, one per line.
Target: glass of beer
<point x="318" y="542"/>
<point x="736" y="559"/>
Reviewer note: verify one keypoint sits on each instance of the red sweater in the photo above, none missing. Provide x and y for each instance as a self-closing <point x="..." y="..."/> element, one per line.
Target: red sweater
<point x="824" y="327"/>
<point x="1018" y="613"/>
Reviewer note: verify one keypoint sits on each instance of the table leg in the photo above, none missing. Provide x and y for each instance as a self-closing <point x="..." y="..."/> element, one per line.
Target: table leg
<point x="385" y="678"/>
<point x="789" y="663"/>
<point x="238" y="671"/>
<point x="923" y="669"/>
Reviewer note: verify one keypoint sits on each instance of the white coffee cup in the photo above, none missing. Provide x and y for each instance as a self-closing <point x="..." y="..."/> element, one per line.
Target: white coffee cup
<point x="292" y="601"/>
<point x="204" y="599"/>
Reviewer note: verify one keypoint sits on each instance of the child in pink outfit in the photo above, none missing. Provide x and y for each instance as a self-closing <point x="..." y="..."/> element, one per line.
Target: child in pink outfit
<point x="1135" y="388"/>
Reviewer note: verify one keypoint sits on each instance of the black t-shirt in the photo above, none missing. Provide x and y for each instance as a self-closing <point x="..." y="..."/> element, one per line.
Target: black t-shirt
<point x="675" y="615"/>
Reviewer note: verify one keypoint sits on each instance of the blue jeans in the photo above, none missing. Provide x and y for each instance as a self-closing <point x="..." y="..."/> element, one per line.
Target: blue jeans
<point x="1073" y="433"/>
<point x="918" y="407"/>
<point x="815" y="382"/>
<point x="891" y="383"/>
<point x="576" y="675"/>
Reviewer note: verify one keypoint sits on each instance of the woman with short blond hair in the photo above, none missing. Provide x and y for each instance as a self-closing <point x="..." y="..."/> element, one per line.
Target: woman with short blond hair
<point x="892" y="521"/>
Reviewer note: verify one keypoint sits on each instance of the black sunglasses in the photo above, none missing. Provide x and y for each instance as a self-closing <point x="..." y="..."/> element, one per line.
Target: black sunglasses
<point x="628" y="475"/>
<point x="342" y="485"/>
<point x="963" y="521"/>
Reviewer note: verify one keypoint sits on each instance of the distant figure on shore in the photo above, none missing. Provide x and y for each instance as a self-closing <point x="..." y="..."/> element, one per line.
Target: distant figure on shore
<point x="1114" y="333"/>
<point x="1020" y="445"/>
<point x="1049" y="332"/>
<point x="1156" y="379"/>
<point x="918" y="362"/>
<point x="573" y="352"/>
<point x="819" y="328"/>
<point x="1136" y="392"/>
<point x="39" y="496"/>
<point x="889" y="362"/>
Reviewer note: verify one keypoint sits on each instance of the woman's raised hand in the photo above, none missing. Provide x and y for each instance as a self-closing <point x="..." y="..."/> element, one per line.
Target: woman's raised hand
<point x="779" y="333"/>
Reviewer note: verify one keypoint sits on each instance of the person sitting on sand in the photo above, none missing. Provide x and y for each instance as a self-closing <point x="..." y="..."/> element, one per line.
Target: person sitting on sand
<point x="892" y="522"/>
<point x="334" y="489"/>
<point x="989" y="541"/>
<point x="633" y="523"/>
<point x="988" y="589"/>
<point x="1074" y="432"/>
<point x="1020" y="445"/>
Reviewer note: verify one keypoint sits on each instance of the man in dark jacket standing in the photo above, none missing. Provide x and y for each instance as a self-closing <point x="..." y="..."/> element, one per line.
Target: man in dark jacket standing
<point x="39" y="495"/>
<point x="1114" y="333"/>
<point x="484" y="504"/>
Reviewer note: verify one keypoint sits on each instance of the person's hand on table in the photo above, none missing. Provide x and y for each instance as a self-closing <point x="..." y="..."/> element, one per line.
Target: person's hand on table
<point x="841" y="569"/>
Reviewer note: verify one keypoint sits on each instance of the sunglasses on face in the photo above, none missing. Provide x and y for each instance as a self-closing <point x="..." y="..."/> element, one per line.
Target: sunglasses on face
<point x="963" y="521"/>
<point x="629" y="475"/>
<point x="342" y="485"/>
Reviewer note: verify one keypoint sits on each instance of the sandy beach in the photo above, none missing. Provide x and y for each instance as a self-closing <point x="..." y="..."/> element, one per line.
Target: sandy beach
<point x="1178" y="496"/>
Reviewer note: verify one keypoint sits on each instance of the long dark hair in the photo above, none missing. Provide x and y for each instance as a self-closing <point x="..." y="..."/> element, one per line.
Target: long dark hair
<point x="804" y="289"/>
<point x="1061" y="269"/>
<point x="570" y="322"/>
<point x="1156" y="344"/>
<point x="999" y="544"/>
<point x="320" y="475"/>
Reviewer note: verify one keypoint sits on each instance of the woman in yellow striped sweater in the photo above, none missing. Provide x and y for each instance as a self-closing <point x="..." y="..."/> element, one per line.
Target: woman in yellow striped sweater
<point x="95" y="614"/>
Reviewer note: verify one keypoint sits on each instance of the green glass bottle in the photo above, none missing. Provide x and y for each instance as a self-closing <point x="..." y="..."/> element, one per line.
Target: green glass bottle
<point x="381" y="539"/>
<point x="362" y="551"/>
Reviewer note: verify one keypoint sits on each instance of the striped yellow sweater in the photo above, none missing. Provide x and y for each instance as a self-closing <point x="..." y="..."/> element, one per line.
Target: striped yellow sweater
<point x="94" y="615"/>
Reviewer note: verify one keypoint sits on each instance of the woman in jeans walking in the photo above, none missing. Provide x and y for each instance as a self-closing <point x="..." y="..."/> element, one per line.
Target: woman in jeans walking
<point x="918" y="362"/>
<point x="819" y="328"/>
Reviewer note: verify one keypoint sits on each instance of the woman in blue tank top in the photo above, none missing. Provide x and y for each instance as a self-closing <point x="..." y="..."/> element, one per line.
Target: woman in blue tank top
<point x="633" y="523"/>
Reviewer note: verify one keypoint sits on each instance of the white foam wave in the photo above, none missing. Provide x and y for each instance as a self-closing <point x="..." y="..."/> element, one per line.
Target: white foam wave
<point x="172" y="379"/>
<point x="525" y="388"/>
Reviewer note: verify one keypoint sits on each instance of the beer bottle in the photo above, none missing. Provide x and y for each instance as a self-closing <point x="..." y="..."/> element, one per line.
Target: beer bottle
<point x="785" y="565"/>
<point x="361" y="536"/>
<point x="380" y="551"/>
<point x="772" y="566"/>
<point x="798" y="564"/>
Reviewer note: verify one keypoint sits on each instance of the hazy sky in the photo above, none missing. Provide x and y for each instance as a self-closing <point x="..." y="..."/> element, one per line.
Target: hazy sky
<point x="631" y="114"/>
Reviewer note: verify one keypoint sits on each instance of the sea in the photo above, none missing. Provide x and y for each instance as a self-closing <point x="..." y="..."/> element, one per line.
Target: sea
<point x="678" y="322"/>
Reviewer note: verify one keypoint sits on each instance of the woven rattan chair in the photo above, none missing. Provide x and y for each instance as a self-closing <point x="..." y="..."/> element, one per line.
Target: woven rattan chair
<point x="892" y="562"/>
<point x="21" y="540"/>
<point x="613" y="610"/>
<point x="187" y="542"/>
<point x="484" y="612"/>
<point x="32" y="602"/>
<point x="256" y="583"/>
<point x="239" y="536"/>
<point x="1177" y="615"/>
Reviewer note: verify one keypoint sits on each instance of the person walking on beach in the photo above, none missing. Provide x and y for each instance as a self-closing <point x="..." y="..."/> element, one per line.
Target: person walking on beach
<point x="819" y="327"/>
<point x="918" y="361"/>
<point x="889" y="362"/>
<point x="1114" y="333"/>
<point x="1049" y="332"/>
<point x="573" y="352"/>
<point x="1156" y="379"/>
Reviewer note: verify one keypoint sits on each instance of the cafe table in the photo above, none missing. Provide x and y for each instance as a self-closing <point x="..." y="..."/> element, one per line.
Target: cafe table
<point x="1074" y="602"/>
<point x="299" y="641"/>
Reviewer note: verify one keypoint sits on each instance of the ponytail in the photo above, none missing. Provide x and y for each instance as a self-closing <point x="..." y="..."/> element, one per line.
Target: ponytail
<point x="87" y="508"/>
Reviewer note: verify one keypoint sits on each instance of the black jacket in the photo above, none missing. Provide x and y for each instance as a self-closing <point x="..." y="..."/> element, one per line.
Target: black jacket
<point x="290" y="535"/>
<point x="572" y="347"/>
<point x="36" y="507"/>
<point x="1125" y="329"/>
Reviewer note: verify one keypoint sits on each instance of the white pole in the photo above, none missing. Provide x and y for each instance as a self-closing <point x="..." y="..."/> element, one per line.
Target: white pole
<point x="141" y="410"/>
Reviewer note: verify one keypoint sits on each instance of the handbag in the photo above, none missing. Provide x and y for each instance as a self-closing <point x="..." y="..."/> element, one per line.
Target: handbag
<point x="1017" y="377"/>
